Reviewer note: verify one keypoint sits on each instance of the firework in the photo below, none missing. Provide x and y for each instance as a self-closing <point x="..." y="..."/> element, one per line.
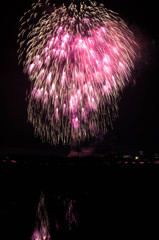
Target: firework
<point x="78" y="59"/>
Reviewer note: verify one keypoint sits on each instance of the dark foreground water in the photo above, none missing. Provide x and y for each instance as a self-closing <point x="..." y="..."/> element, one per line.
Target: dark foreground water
<point x="108" y="199"/>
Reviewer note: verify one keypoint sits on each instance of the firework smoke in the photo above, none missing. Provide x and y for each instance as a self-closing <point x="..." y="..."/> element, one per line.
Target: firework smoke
<point x="78" y="59"/>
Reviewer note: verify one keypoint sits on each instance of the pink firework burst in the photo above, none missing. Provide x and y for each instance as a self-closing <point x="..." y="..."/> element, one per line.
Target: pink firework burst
<point x="78" y="61"/>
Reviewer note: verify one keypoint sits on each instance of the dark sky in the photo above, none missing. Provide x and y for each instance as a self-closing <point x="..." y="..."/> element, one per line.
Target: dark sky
<point x="137" y="125"/>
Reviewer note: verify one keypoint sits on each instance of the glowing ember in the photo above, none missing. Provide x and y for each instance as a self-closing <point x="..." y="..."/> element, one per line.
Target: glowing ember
<point x="78" y="61"/>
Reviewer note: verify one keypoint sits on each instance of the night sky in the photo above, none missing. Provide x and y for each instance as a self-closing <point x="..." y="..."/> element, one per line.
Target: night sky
<point x="137" y="126"/>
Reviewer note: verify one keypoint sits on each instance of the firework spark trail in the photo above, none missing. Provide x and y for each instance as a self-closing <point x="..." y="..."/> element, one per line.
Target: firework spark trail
<point x="78" y="61"/>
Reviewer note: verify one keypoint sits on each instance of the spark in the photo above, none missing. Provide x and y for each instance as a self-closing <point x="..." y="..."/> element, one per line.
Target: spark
<point x="78" y="61"/>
